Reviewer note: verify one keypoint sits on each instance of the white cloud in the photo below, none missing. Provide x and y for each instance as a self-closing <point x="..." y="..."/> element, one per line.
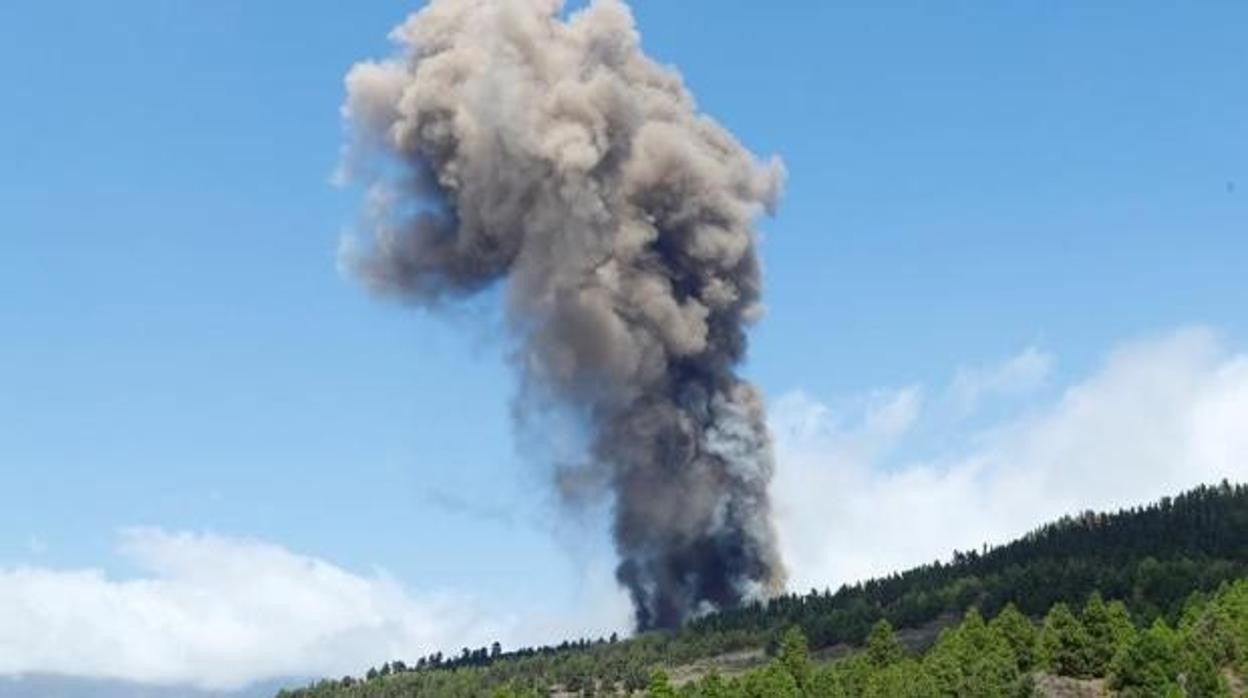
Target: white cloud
<point x="220" y="612"/>
<point x="1157" y="417"/>
<point x="1017" y="375"/>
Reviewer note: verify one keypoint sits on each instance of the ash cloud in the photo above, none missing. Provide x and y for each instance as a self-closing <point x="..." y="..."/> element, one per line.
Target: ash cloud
<point x="507" y="145"/>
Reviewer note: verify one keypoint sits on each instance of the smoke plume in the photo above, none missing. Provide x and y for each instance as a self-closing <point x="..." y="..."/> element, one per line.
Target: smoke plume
<point x="506" y="144"/>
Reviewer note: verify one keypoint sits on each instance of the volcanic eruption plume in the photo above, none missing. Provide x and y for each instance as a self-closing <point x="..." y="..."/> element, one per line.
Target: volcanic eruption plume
<point x="508" y="144"/>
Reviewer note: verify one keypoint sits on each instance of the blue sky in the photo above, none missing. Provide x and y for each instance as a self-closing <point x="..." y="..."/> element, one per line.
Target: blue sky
<point x="179" y="350"/>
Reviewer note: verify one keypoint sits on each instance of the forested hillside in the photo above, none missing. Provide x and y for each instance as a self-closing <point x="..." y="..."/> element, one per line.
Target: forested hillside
<point x="1159" y="564"/>
<point x="1084" y="651"/>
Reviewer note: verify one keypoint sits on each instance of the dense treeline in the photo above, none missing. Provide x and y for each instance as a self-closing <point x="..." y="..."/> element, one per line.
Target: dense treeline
<point x="1151" y="557"/>
<point x="1203" y="654"/>
<point x="1154" y="555"/>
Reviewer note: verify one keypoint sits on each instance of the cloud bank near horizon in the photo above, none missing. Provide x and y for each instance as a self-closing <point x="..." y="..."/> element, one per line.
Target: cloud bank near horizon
<point x="218" y="612"/>
<point x="860" y="491"/>
<point x="1157" y="417"/>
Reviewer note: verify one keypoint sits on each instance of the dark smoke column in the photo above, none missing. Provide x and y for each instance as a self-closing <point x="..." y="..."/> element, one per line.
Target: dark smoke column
<point x="506" y="144"/>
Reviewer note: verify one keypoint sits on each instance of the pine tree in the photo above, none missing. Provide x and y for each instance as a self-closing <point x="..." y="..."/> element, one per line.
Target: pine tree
<point x="1019" y="633"/>
<point x="1123" y="628"/>
<point x="794" y="656"/>
<point x="1102" y="645"/>
<point x="904" y="677"/>
<point x="852" y="674"/>
<point x="883" y="648"/>
<point x="1199" y="676"/>
<point x="989" y="665"/>
<point x="1149" y="666"/>
<point x="660" y="687"/>
<point x="712" y="686"/>
<point x="772" y="681"/>
<point x="943" y="662"/>
<point x="831" y="682"/>
<point x="1211" y="632"/>
<point x="1064" y="643"/>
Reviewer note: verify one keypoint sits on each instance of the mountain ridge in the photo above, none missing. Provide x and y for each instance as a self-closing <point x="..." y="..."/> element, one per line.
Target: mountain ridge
<point x="1155" y="556"/>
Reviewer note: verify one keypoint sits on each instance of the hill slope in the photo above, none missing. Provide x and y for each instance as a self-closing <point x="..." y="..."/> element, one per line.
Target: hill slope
<point x="1153" y="558"/>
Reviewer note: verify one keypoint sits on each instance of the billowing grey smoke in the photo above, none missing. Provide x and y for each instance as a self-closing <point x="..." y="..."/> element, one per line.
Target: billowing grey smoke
<point x="508" y="144"/>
